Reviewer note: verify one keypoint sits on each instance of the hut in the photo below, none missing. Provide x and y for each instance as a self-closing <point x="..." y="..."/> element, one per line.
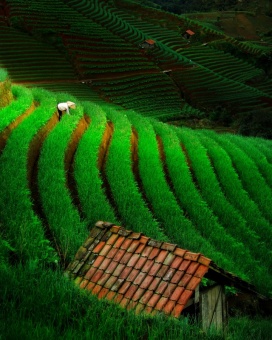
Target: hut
<point x="188" y="34"/>
<point x="147" y="44"/>
<point x="150" y="276"/>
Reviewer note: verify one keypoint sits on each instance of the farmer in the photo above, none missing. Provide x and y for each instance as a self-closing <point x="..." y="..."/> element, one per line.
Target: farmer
<point x="64" y="107"/>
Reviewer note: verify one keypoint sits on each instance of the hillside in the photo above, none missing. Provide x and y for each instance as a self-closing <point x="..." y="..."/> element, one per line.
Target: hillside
<point x="219" y="77"/>
<point x="209" y="193"/>
<point x="141" y="150"/>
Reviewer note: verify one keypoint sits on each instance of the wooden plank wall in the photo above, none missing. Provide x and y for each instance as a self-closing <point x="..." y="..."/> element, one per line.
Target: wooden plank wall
<point x="213" y="311"/>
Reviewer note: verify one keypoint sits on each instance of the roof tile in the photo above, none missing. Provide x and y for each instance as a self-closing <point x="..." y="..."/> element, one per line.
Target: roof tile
<point x="140" y="263"/>
<point x="112" y="239"/>
<point x="81" y="253"/>
<point x="119" y="242"/>
<point x="133" y="275"/>
<point x="124" y="232"/>
<point x="170" y="287"/>
<point x="104" y="278"/>
<point x="194" y="282"/>
<point x="146" y="282"/>
<point x="169" y="306"/>
<point x="114" y="229"/>
<point x="192" y="268"/>
<point x="131" y="290"/>
<point x="112" y="253"/>
<point x="185" y="296"/>
<point x="169" y="274"/>
<point x="161" y="303"/>
<point x="176" y="262"/>
<point x="191" y="256"/>
<point x="138" y="294"/>
<point x="88" y="242"/>
<point x="90" y="273"/>
<point x="154" y="243"/>
<point x="83" y="283"/>
<point x="179" y="252"/>
<point x="162" y="270"/>
<point x="118" y="298"/>
<point x="117" y="284"/>
<point x="135" y="236"/>
<point x="184" y="265"/>
<point x="110" y="295"/>
<point x="147" y="295"/>
<point x="162" y="287"/>
<point x="125" y="272"/>
<point x="168" y="246"/>
<point x="147" y="266"/>
<point x="118" y="270"/>
<point x="177" y="293"/>
<point x="105" y="264"/>
<point x="134" y="258"/>
<point x="154" y="269"/>
<point x="111" y="267"/>
<point x="125" y="245"/>
<point x="96" y="289"/>
<point x="120" y="253"/>
<point x="144" y="239"/>
<point x="185" y="280"/>
<point x="169" y="259"/>
<point x="78" y="267"/>
<point x="162" y="256"/>
<point x="105" y="250"/>
<point x="133" y="246"/>
<point x="90" y="286"/>
<point x="111" y="281"/>
<point x="153" y="254"/>
<point x="177" y="276"/>
<point x="99" y="247"/>
<point x="204" y="260"/>
<point x="98" y="261"/>
<point x="103" y="292"/>
<point x="153" y="300"/>
<point x="140" y="248"/>
<point x="139" y="278"/>
<point x="124" y="287"/>
<point x="177" y="310"/>
<point x="154" y="284"/>
<point x="201" y="271"/>
<point x="97" y="275"/>
<point x="83" y="270"/>
<point x="126" y="258"/>
<point x="147" y="250"/>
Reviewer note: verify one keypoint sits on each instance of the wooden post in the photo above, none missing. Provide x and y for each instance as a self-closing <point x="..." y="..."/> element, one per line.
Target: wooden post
<point x="213" y="308"/>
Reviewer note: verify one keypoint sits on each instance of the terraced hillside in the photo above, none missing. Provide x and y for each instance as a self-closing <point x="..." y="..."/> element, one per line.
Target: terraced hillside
<point x="93" y="52"/>
<point x="206" y="192"/>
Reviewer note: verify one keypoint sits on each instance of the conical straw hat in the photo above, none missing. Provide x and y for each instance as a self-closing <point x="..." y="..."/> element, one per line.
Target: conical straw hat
<point x="71" y="104"/>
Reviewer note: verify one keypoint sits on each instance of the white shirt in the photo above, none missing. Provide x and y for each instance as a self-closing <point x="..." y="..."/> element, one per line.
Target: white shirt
<point x="63" y="107"/>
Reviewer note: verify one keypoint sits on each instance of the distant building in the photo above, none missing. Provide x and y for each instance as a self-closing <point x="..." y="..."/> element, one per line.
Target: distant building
<point x="149" y="43"/>
<point x="188" y="34"/>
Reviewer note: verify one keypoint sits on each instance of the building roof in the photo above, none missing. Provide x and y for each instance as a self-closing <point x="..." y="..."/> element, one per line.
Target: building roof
<point x="137" y="272"/>
<point x="150" y="41"/>
<point x="190" y="32"/>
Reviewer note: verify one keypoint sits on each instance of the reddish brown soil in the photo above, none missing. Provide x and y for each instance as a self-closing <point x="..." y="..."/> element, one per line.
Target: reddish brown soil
<point x="6" y="132"/>
<point x="69" y="159"/>
<point x="103" y="149"/>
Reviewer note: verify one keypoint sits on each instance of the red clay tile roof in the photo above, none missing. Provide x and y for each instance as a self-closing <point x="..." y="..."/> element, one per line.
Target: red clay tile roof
<point x="137" y="272"/>
<point x="150" y="41"/>
<point x="190" y="32"/>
